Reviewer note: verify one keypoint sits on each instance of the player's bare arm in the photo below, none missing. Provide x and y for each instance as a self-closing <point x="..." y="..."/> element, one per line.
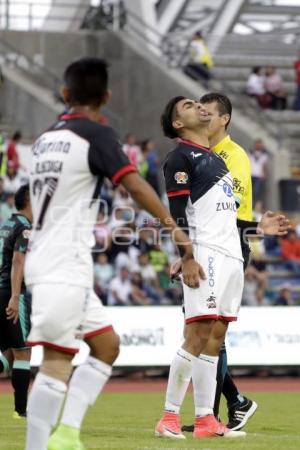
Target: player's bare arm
<point x="271" y="224"/>
<point x="148" y="199"/>
<point x="17" y="275"/>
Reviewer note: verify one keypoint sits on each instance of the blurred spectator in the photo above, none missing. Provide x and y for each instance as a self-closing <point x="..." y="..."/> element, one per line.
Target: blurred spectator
<point x="12" y="180"/>
<point x="147" y="271"/>
<point x="158" y="258"/>
<point x="259" y="159"/>
<point x="102" y="233"/>
<point x="297" y="70"/>
<point x="274" y="87"/>
<point x="131" y="149"/>
<point x="103" y="272"/>
<point x="285" y="296"/>
<point x="256" y="87"/>
<point x="151" y="157"/>
<point x="3" y="158"/>
<point x="7" y="208"/>
<point x="258" y="210"/>
<point x="272" y="246"/>
<point x="141" y="293"/>
<point x="290" y="251"/>
<point x="2" y="194"/>
<point x="12" y="152"/>
<point x="254" y="287"/>
<point x="120" y="289"/>
<point x="200" y="63"/>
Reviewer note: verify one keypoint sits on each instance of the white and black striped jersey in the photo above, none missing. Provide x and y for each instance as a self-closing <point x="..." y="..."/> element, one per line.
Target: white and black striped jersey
<point x="196" y="171"/>
<point x="69" y="163"/>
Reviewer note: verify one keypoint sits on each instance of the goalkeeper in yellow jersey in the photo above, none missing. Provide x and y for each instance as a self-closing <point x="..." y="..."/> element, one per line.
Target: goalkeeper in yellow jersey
<point x="240" y="408"/>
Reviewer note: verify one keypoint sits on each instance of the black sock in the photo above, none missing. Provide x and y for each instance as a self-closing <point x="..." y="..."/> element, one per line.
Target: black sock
<point x="230" y="390"/>
<point x="221" y="370"/>
<point x="20" y="381"/>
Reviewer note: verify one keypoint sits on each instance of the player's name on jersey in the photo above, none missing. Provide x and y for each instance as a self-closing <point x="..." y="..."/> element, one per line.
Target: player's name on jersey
<point x="43" y="145"/>
<point x="49" y="166"/>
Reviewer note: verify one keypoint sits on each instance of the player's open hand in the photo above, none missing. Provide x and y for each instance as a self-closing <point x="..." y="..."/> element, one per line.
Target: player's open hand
<point x="192" y="273"/>
<point x="273" y="224"/>
<point x="12" y="310"/>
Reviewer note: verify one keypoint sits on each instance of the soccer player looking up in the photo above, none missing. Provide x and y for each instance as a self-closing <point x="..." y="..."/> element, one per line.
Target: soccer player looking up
<point x="200" y="191"/>
<point x="14" y="303"/>
<point x="240" y="408"/>
<point x="69" y="163"/>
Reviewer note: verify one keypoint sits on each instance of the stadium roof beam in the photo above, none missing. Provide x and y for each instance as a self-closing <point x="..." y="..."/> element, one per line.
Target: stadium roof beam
<point x="259" y="9"/>
<point x="67" y="15"/>
<point x="224" y="22"/>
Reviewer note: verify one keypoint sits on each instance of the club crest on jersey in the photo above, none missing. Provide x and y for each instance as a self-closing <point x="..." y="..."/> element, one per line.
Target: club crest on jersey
<point x="181" y="177"/>
<point x="26" y="234"/>
<point x="227" y="189"/>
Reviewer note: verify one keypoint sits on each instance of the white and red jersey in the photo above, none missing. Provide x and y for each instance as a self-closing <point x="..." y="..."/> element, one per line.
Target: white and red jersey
<point x="69" y="163"/>
<point x="211" y="210"/>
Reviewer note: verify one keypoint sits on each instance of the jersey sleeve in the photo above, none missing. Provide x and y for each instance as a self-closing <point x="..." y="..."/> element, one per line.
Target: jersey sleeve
<point x="177" y="175"/>
<point x="241" y="174"/>
<point x="107" y="158"/>
<point x="22" y="240"/>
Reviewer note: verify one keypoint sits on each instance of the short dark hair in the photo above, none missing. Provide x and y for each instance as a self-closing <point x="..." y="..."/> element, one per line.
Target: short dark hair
<point x="87" y="80"/>
<point x="22" y="197"/>
<point x="17" y="135"/>
<point x="168" y="116"/>
<point x="256" y="69"/>
<point x="223" y="102"/>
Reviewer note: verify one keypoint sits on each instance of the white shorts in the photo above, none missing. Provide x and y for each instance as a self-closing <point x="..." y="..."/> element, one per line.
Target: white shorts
<point x="62" y="315"/>
<point x="220" y="295"/>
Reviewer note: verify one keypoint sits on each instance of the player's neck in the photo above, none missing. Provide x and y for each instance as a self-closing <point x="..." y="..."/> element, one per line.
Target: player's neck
<point x="218" y="137"/>
<point x="26" y="214"/>
<point x="197" y="138"/>
<point x="88" y="111"/>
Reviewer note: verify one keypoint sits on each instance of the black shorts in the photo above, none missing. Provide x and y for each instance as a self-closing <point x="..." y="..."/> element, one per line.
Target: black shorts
<point x="14" y="335"/>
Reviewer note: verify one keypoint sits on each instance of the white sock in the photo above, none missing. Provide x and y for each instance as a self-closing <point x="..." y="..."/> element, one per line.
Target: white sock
<point x="204" y="383"/>
<point x="45" y="402"/>
<point x="179" y="379"/>
<point x="86" y="384"/>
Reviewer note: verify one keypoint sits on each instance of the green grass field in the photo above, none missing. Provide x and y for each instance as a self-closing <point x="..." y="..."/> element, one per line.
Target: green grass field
<point x="126" y="421"/>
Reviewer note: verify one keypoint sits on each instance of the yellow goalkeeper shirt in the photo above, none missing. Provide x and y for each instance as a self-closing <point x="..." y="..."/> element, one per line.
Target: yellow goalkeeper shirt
<point x="237" y="161"/>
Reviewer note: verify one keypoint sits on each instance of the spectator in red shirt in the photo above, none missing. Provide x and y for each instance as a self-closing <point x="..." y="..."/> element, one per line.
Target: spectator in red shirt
<point x="290" y="251"/>
<point x="12" y="153"/>
<point x="297" y="69"/>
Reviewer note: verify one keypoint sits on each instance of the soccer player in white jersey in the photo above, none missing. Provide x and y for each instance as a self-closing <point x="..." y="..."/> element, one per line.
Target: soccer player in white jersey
<point x="200" y="191"/>
<point x="69" y="163"/>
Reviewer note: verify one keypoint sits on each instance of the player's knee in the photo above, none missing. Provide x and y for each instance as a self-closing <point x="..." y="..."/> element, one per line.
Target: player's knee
<point x="59" y="369"/>
<point x="109" y="352"/>
<point x="22" y="355"/>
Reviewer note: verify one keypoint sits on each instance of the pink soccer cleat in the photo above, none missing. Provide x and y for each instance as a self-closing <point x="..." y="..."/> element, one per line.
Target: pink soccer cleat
<point x="209" y="426"/>
<point x="169" y="426"/>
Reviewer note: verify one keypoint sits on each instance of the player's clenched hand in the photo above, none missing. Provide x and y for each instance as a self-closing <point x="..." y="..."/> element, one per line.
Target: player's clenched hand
<point x="273" y="224"/>
<point x="12" y="310"/>
<point x="192" y="273"/>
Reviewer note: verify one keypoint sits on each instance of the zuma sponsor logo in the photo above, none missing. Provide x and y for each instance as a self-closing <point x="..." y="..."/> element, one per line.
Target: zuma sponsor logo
<point x="226" y="206"/>
<point x="211" y="271"/>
